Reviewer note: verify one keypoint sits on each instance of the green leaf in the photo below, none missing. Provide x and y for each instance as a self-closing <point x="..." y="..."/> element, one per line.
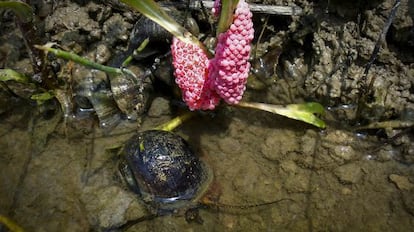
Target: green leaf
<point x="42" y="97"/>
<point x="11" y="75"/>
<point x="306" y="112"/>
<point x="303" y="112"/>
<point x="21" y="9"/>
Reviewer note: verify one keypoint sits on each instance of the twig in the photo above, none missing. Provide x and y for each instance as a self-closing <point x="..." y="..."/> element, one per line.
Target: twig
<point x="366" y="89"/>
<point x="381" y="38"/>
<point x="256" y="8"/>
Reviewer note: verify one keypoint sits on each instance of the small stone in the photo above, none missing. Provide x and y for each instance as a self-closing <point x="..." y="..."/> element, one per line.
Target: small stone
<point x="308" y="142"/>
<point x="160" y="106"/>
<point x="349" y="173"/>
<point x="279" y="144"/>
<point x="346" y="191"/>
<point x="109" y="206"/>
<point x="401" y="182"/>
<point x="229" y="145"/>
<point x="289" y="166"/>
<point x="102" y="54"/>
<point x="408" y="199"/>
<point x="344" y="152"/>
<point x="297" y="183"/>
<point x="116" y="29"/>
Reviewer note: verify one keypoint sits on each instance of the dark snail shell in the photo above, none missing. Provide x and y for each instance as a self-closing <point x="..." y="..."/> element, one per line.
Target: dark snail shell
<point x="145" y="28"/>
<point x="163" y="170"/>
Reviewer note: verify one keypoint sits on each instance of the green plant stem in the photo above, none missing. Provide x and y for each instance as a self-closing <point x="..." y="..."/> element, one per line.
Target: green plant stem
<point x="80" y="60"/>
<point x="138" y="50"/>
<point x="226" y="15"/>
<point x="175" y="122"/>
<point x="10" y="224"/>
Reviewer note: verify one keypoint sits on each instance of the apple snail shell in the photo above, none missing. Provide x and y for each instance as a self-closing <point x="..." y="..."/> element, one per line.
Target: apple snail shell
<point x="161" y="167"/>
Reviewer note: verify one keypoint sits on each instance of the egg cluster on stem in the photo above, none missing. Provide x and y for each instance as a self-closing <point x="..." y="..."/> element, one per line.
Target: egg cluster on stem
<point x="204" y="82"/>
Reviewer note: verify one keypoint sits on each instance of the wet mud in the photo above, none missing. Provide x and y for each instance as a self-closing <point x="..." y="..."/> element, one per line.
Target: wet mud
<point x="58" y="168"/>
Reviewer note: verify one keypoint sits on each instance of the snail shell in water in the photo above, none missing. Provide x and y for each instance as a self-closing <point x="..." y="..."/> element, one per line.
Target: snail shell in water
<point x="124" y="92"/>
<point x="92" y="85"/>
<point x="163" y="170"/>
<point x="128" y="92"/>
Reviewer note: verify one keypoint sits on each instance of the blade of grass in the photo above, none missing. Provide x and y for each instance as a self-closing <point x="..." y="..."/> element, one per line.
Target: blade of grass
<point x="21" y="9"/>
<point x="302" y="112"/>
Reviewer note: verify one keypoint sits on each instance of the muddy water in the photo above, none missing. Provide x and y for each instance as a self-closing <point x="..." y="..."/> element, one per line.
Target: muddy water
<point x="60" y="176"/>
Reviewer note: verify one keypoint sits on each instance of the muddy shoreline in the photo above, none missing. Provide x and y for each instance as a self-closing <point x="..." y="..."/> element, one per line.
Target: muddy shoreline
<point x="59" y="173"/>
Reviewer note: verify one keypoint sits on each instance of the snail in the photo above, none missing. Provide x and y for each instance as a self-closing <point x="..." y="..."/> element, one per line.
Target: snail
<point x="161" y="167"/>
<point x="128" y="92"/>
<point x="92" y="85"/>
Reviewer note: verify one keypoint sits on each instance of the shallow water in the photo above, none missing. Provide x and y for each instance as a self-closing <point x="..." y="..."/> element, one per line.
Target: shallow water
<point x="59" y="176"/>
